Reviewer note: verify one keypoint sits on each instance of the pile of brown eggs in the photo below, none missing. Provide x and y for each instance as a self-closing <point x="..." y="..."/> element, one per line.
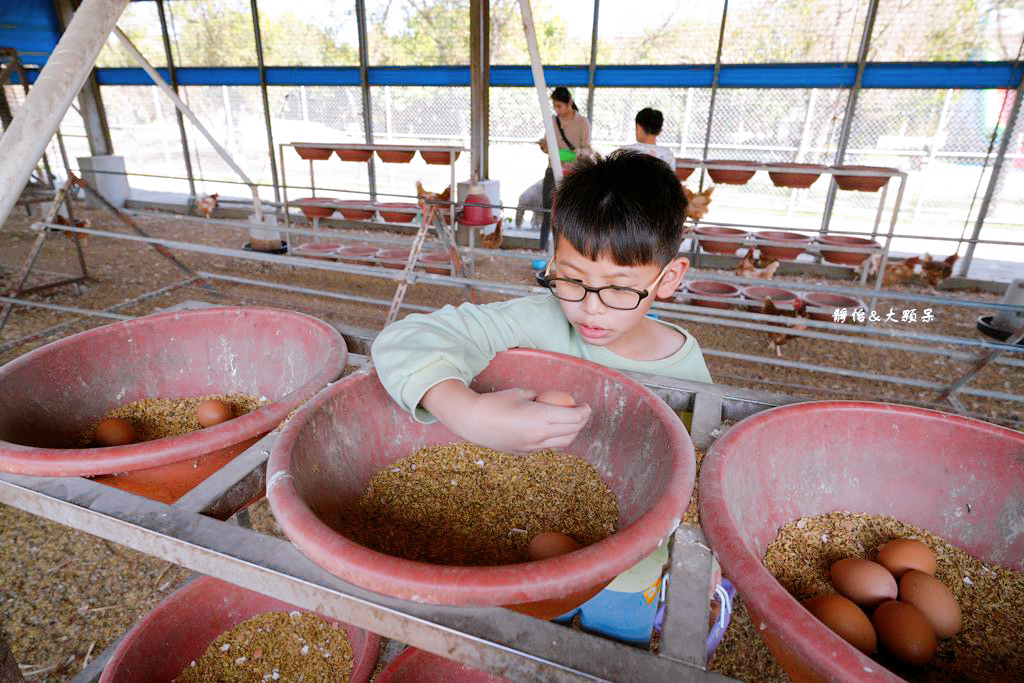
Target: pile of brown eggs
<point x="909" y="607"/>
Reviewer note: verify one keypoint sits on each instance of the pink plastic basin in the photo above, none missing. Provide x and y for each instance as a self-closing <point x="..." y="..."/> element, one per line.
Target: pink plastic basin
<point x="959" y="478"/>
<point x="418" y="666"/>
<point x="438" y="157"/>
<point x="178" y="630"/>
<point x="324" y="458"/>
<point x="720" y="246"/>
<point x="53" y="393"/>
<point x="327" y="251"/>
<point x="393" y="258"/>
<point x="849" y="258"/>
<point x="821" y="305"/>
<point x="438" y="263"/>
<point x="797" y="241"/>
<point x="399" y="212"/>
<point x="778" y="295"/>
<point x="314" y="153"/>
<point x="713" y="294"/>
<point x="358" y="254"/>
<point x="356" y="209"/>
<point x="685" y="167"/>
<point x="346" y="154"/>
<point x="316" y="207"/>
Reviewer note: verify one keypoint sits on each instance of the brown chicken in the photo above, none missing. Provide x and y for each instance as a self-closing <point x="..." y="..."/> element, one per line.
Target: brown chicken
<point x="933" y="272"/>
<point x="76" y="223"/>
<point x="492" y="240"/>
<point x="423" y="196"/>
<point x="697" y="203"/>
<point x="206" y="204"/>
<point x="756" y="268"/>
<point x="777" y="339"/>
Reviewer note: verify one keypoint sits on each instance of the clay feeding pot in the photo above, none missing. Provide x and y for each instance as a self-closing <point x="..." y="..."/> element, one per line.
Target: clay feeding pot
<point x="326" y="251"/>
<point x="713" y="294"/>
<point x="314" y="153"/>
<point x="849" y="258"/>
<point x="354" y="154"/>
<point x="820" y="305"/>
<point x="796" y="175"/>
<point x="356" y="209"/>
<point x="438" y="158"/>
<point x="396" y="156"/>
<point x="863" y="183"/>
<point x="359" y="254"/>
<point x="783" y="298"/>
<point x="438" y="263"/>
<point x="732" y="177"/>
<point x="685" y="167"/>
<point x="718" y="246"/>
<point x="316" y="207"/>
<point x="398" y="212"/>
<point x="393" y="258"/>
<point x="781" y="253"/>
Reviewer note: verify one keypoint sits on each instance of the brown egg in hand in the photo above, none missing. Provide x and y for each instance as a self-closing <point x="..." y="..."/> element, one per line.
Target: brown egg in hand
<point x="550" y="544"/>
<point x="555" y="397"/>
<point x="846" y="619"/>
<point x="213" y="412"/>
<point x="114" y="431"/>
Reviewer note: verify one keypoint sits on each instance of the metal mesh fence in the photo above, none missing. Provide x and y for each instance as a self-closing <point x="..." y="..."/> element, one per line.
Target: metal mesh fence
<point x="140" y="21"/>
<point x="772" y="31"/>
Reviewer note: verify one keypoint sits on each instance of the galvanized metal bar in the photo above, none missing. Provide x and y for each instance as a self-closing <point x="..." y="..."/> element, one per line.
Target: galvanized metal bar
<point x="239" y="481"/>
<point x="479" y="86"/>
<point x="258" y="35"/>
<point x="90" y="100"/>
<point x="537" y="69"/>
<point x="983" y="361"/>
<point x="714" y="93"/>
<point x="851" y="106"/>
<point x="364" y="88"/>
<point x="592" y="70"/>
<point x="64" y="309"/>
<point x="687" y="608"/>
<point x="707" y="417"/>
<point x="173" y="73"/>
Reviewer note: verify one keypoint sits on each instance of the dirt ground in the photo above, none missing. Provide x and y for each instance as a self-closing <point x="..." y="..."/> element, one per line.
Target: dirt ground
<point x="63" y="594"/>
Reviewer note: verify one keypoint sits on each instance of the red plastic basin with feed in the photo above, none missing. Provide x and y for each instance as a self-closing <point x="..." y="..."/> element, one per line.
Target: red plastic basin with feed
<point x="863" y="183"/>
<point x="438" y="263"/>
<point x="325" y="457"/>
<point x="779" y="296"/>
<point x="799" y="176"/>
<point x="317" y="207"/>
<point x="419" y="666"/>
<point x="314" y="153"/>
<point x="356" y="209"/>
<point x="958" y="478"/>
<point x="821" y="305"/>
<point x="713" y="294"/>
<point x="732" y="176"/>
<point x="179" y="629"/>
<point x="798" y="242"/>
<point x="848" y="258"/>
<point x="685" y="167"/>
<point x="327" y="251"/>
<point x="396" y="156"/>
<point x="713" y="246"/>
<point x="393" y="258"/>
<point x="358" y="254"/>
<point x="437" y="157"/>
<point x="398" y="212"/>
<point x="354" y="154"/>
<point x="52" y="394"/>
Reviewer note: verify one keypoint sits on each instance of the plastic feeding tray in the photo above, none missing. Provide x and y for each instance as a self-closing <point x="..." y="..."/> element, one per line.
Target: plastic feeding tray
<point x="795" y="175"/>
<point x="822" y="305"/>
<point x="52" y="394"/>
<point x="324" y="459"/>
<point x="179" y="629"/>
<point x="438" y="157"/>
<point x="792" y="244"/>
<point x="348" y="154"/>
<point x="356" y="209"/>
<point x="398" y="212"/>
<point x="326" y="251"/>
<point x="863" y="183"/>
<point x="732" y="176"/>
<point x="438" y="263"/>
<point x="958" y="478"/>
<point x="848" y="258"/>
<point x="713" y="294"/>
<point x="685" y="167"/>
<point x="316" y="207"/>
<point x="779" y="296"/>
<point x="713" y="246"/>
<point x="358" y="254"/>
<point x="314" y="153"/>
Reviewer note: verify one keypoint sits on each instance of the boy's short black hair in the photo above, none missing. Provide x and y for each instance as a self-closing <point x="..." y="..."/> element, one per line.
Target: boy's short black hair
<point x="651" y="120"/>
<point x="628" y="206"/>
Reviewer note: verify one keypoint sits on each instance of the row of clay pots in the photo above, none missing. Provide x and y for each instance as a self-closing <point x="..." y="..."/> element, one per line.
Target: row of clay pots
<point x="391" y="156"/>
<point x="357" y="209"/>
<point x="715" y="294"/>
<point x="792" y="244"/>
<point x="793" y="175"/>
<point x="439" y="263"/>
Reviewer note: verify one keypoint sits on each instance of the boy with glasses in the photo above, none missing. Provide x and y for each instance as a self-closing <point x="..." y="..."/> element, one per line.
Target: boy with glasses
<point x="617" y="229"/>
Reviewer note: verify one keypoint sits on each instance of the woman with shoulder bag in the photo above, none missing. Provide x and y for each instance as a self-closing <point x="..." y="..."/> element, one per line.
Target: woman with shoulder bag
<point x="572" y="131"/>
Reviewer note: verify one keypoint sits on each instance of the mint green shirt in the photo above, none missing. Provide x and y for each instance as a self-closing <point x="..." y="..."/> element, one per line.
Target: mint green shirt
<point x="420" y="351"/>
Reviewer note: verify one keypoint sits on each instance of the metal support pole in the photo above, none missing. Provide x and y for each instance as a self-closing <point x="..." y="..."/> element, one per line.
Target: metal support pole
<point x="480" y="86"/>
<point x="364" y="86"/>
<point x="714" y="93"/>
<point x="93" y="114"/>
<point x="851" y="105"/>
<point x="39" y="116"/>
<point x="266" y="100"/>
<point x="174" y="86"/>
<point x="986" y="202"/>
<point x="593" y="67"/>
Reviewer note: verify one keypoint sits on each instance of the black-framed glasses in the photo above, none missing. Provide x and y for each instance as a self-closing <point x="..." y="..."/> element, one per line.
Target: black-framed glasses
<point x="612" y="296"/>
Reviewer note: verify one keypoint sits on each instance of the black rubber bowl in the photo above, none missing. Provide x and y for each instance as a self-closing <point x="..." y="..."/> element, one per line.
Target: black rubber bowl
<point x="986" y="328"/>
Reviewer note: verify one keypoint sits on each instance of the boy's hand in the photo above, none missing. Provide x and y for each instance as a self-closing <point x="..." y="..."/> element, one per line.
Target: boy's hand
<point x="506" y="420"/>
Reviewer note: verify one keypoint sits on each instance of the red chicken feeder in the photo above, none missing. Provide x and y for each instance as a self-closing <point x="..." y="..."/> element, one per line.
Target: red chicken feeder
<point x="959" y="478"/>
<point x="354" y="154"/>
<point x="800" y="176"/>
<point x="326" y="251"/>
<point x="419" y="666"/>
<point x="50" y="395"/>
<point x="821" y="305"/>
<point x="325" y="457"/>
<point x="359" y="254"/>
<point x="863" y="183"/>
<point x="398" y="212"/>
<point x="779" y="296"/>
<point x="713" y="294"/>
<point x="732" y="176"/>
<point x="396" y="156"/>
<point x="847" y="258"/>
<point x="685" y="167"/>
<point x="356" y="209"/>
<point x="438" y="263"/>
<point x="393" y="258"/>
<point x="718" y="246"/>
<point x="317" y="207"/>
<point x="438" y="158"/>
<point x="314" y="153"/>
<point x="781" y="252"/>
<point x="179" y="629"/>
